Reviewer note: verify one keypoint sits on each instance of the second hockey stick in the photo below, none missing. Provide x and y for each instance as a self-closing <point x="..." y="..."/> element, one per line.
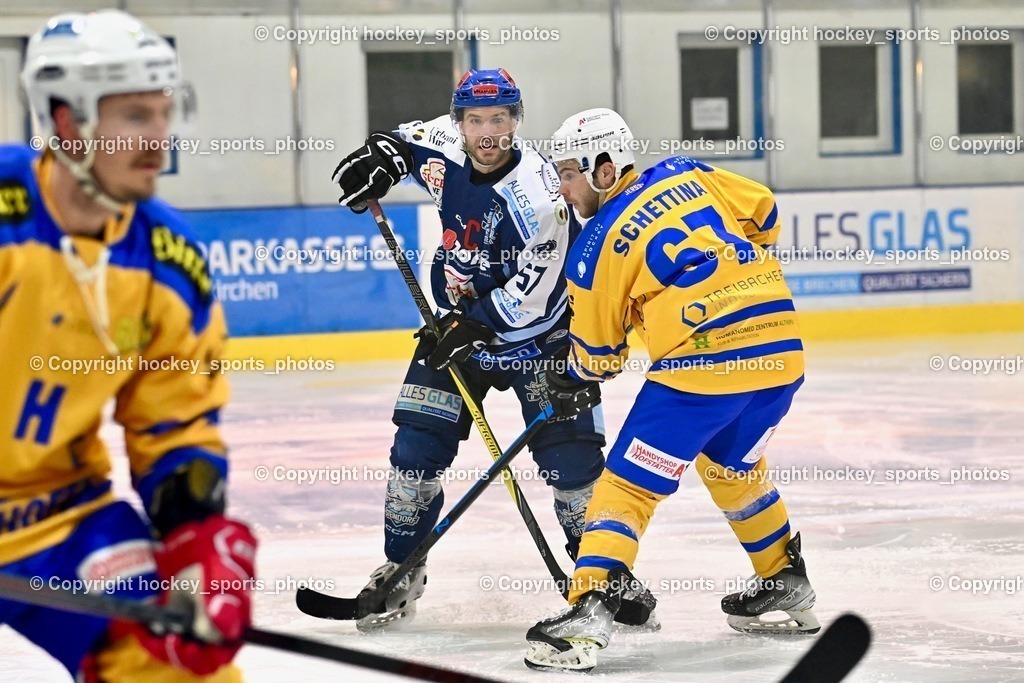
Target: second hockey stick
<point x="317" y="604"/>
<point x="471" y="403"/>
<point x="834" y="654"/>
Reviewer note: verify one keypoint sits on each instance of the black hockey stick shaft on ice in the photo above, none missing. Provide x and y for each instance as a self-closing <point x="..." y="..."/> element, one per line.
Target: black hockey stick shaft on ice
<point x="324" y="606"/>
<point x="834" y="654"/>
<point x="475" y="409"/>
<point x="35" y="591"/>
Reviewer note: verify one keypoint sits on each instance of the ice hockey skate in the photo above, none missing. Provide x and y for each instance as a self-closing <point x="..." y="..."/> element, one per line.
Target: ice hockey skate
<point x="400" y="605"/>
<point x="636" y="608"/>
<point x="570" y="640"/>
<point x="761" y="607"/>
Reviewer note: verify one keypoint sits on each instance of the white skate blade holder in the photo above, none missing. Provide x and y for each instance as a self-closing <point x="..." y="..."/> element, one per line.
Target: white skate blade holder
<point x="393" y="620"/>
<point x="580" y="657"/>
<point x="780" y="622"/>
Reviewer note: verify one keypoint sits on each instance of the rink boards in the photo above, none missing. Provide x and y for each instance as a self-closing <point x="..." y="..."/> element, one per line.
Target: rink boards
<point x="860" y="263"/>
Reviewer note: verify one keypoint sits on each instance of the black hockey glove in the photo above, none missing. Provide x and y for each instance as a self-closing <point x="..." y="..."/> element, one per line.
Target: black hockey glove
<point x="426" y="344"/>
<point x="459" y="338"/>
<point x="568" y="396"/>
<point x="372" y="170"/>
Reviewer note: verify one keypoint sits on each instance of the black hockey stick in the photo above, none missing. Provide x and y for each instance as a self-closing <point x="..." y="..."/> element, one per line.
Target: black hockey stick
<point x="36" y="592"/>
<point x="471" y="403"/>
<point x="834" y="653"/>
<point x="318" y="604"/>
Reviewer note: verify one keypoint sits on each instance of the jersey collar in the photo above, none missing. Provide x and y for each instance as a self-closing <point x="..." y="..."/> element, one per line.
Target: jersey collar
<point x="625" y="181"/>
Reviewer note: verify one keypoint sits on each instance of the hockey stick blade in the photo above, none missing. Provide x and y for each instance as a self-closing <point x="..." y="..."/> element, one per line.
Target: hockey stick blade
<point x="834" y="654"/>
<point x="324" y="606"/>
<point x="29" y="591"/>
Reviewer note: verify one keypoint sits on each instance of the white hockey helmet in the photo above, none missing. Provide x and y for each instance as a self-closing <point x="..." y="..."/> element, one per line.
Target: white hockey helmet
<point x="80" y="58"/>
<point x="590" y="133"/>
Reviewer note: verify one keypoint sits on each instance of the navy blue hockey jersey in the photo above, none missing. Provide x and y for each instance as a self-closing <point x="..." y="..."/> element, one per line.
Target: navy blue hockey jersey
<point x="505" y="234"/>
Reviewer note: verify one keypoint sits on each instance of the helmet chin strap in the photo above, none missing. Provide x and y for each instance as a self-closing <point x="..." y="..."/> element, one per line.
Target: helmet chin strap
<point x="82" y="171"/>
<point x="91" y="280"/>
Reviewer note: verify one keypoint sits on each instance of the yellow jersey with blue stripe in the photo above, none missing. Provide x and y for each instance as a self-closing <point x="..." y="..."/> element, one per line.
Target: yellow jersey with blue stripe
<point x="128" y="316"/>
<point x="678" y="254"/>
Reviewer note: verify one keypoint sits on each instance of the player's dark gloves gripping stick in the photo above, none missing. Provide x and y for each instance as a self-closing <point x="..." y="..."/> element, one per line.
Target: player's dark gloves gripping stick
<point x="568" y="395"/>
<point x="459" y="338"/>
<point x="372" y="170"/>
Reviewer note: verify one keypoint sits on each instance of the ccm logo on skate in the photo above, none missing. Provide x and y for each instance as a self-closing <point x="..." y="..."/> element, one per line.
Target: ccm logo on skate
<point x="651" y="459"/>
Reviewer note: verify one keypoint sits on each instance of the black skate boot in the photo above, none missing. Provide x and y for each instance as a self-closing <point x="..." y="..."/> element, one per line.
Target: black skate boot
<point x="400" y="606"/>
<point x="569" y="640"/>
<point x="638" y="603"/>
<point x="636" y="607"/>
<point x="789" y="591"/>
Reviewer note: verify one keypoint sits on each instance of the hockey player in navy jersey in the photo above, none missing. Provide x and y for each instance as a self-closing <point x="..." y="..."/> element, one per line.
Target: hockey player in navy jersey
<point x="499" y="285"/>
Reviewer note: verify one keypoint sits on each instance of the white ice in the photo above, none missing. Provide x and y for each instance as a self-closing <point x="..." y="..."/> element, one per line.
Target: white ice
<point x="872" y="406"/>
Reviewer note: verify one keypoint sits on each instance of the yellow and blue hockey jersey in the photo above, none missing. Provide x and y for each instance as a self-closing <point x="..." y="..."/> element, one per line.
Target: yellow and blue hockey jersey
<point x="81" y="324"/>
<point x="677" y="253"/>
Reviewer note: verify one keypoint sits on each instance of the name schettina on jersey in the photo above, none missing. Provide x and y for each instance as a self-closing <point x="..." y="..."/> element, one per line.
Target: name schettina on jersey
<point x="678" y="256"/>
<point x="654" y="208"/>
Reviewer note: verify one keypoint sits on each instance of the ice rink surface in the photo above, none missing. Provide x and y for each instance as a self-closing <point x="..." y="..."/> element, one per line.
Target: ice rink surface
<point x="899" y="554"/>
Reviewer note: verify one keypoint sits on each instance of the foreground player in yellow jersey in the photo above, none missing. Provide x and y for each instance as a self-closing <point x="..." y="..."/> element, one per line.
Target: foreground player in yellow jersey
<point x="104" y="295"/>
<point x="677" y="254"/>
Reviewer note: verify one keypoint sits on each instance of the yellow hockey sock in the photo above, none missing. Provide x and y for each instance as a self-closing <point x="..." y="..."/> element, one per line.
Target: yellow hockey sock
<point x="617" y="517"/>
<point x="754" y="509"/>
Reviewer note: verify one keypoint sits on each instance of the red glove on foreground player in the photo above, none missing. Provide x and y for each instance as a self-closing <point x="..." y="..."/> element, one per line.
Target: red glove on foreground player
<point x="220" y="554"/>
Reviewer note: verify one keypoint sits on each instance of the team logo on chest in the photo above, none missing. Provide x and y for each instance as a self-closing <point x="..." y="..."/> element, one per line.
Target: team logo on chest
<point x="490" y="223"/>
<point x="461" y="257"/>
<point x="470" y="229"/>
<point x="458" y="285"/>
<point x="465" y="249"/>
<point x="432" y="173"/>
